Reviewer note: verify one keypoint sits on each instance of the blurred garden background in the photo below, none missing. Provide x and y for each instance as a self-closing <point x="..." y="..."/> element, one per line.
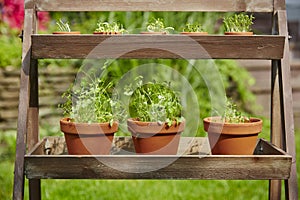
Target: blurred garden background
<point x="247" y="82"/>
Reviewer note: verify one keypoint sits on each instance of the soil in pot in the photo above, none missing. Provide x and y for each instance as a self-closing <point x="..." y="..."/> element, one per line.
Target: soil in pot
<point x="88" y="139"/>
<point x="155" y="139"/>
<point x="232" y="139"/>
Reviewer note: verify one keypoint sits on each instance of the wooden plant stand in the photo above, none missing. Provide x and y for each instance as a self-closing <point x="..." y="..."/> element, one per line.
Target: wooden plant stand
<point x="37" y="162"/>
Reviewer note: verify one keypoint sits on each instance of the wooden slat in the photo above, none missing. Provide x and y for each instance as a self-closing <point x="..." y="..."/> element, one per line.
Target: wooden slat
<point x="275" y="166"/>
<point x="157" y="46"/>
<point x="150" y="5"/>
<point x="287" y="106"/>
<point x="18" y="190"/>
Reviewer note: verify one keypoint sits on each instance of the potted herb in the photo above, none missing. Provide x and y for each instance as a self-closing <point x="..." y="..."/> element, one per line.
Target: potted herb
<point x="64" y="28"/>
<point x="194" y="29"/>
<point x="156" y="117"/>
<point x="238" y="24"/>
<point x="106" y="28"/>
<point x="232" y="133"/>
<point x="92" y="118"/>
<point x="157" y="26"/>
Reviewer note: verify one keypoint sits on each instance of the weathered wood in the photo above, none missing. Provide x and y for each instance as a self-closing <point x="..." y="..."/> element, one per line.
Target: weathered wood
<point x="276" y="121"/>
<point x="287" y="107"/>
<point x="18" y="191"/>
<point x="201" y="166"/>
<point x="157" y="46"/>
<point x="150" y="5"/>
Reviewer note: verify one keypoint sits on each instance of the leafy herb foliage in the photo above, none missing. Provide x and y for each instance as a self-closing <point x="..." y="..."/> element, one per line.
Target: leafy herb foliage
<point x="238" y="23"/>
<point x="195" y="27"/>
<point x="107" y="27"/>
<point x="232" y="114"/>
<point x="157" y="25"/>
<point x="92" y="103"/>
<point x="154" y="102"/>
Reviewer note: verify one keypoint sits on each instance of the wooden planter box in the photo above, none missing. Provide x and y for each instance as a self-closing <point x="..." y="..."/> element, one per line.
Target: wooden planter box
<point x="49" y="159"/>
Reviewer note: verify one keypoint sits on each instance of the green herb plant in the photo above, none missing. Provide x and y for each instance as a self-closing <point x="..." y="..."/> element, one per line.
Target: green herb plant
<point x="153" y="102"/>
<point x="238" y="23"/>
<point x="92" y="103"/>
<point x="63" y="26"/>
<point x="195" y="27"/>
<point x="106" y="27"/>
<point x="157" y="25"/>
<point x="232" y="115"/>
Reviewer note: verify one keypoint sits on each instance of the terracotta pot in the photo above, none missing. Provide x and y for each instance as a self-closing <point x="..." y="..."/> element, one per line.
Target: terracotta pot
<point x="153" y="33"/>
<point x="88" y="139"/>
<point x="194" y="33"/>
<point x="155" y="139"/>
<point x="238" y="33"/>
<point x="232" y="138"/>
<point x="107" y="33"/>
<point x="66" y="33"/>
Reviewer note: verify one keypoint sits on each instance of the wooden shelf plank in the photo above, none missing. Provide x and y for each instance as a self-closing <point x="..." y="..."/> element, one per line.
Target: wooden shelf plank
<point x="150" y="5"/>
<point x="268" y="162"/>
<point x="157" y="46"/>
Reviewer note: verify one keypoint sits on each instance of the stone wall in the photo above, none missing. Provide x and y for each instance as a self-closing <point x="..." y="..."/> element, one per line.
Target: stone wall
<point x="52" y="83"/>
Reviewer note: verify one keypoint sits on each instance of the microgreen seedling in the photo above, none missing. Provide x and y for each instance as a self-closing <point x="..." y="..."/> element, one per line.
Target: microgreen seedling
<point x="157" y="25"/>
<point x="63" y="26"/>
<point x="193" y="28"/>
<point x="238" y="23"/>
<point x="106" y="27"/>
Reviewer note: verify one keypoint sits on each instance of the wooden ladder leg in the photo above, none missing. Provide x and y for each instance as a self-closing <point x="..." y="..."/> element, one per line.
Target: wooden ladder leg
<point x="24" y="101"/>
<point x="33" y="126"/>
<point x="291" y="184"/>
<point x="276" y="128"/>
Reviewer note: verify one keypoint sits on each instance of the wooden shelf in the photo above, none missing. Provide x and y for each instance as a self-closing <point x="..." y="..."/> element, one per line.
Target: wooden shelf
<point x="158" y="46"/>
<point x="150" y="5"/>
<point x="49" y="160"/>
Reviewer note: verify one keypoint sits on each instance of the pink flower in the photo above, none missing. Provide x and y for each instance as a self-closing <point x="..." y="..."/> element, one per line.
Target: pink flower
<point x="13" y="14"/>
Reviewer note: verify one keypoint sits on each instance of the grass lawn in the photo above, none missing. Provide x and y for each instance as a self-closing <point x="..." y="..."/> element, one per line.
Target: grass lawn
<point x="131" y="189"/>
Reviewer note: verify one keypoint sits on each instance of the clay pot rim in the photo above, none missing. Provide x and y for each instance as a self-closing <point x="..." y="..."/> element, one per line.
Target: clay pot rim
<point x="239" y="33"/>
<point x="66" y="33"/>
<point x="153" y="33"/>
<point x="142" y="123"/>
<point x="106" y="33"/>
<point x="139" y="127"/>
<point x="194" y="33"/>
<point x="249" y="128"/>
<point x="69" y="127"/>
<point x="253" y="120"/>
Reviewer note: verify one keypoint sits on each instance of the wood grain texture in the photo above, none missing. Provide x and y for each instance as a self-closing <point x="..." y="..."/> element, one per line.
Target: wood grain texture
<point x="275" y="166"/>
<point x="287" y="106"/>
<point x="152" y="5"/>
<point x="18" y="191"/>
<point x="157" y="46"/>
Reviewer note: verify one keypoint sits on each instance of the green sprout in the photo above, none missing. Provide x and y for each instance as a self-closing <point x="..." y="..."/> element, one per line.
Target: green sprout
<point x="232" y="115"/>
<point x="238" y="23"/>
<point x="106" y="27"/>
<point x="63" y="26"/>
<point x="153" y="102"/>
<point x="157" y="25"/>
<point x="193" y="28"/>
